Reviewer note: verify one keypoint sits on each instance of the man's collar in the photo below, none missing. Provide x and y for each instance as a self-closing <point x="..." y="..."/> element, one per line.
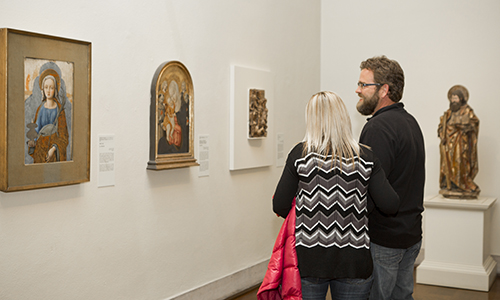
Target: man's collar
<point x="397" y="105"/>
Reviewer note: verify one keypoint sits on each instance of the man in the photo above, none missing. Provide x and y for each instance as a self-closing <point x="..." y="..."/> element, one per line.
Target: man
<point x="396" y="139"/>
<point x="458" y="130"/>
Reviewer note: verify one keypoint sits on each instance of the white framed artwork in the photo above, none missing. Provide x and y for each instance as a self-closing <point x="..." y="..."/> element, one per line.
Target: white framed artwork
<point x="247" y="152"/>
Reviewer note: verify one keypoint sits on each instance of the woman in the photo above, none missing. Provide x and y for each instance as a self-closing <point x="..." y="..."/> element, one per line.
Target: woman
<point x="50" y="119"/>
<point x="331" y="175"/>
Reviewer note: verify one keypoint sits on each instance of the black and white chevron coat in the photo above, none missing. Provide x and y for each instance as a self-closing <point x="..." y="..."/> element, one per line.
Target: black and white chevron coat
<point x="332" y="238"/>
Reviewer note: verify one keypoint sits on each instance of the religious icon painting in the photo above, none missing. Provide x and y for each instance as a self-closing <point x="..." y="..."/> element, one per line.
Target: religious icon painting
<point x="45" y="112"/>
<point x="171" y="118"/>
<point x="48" y="110"/>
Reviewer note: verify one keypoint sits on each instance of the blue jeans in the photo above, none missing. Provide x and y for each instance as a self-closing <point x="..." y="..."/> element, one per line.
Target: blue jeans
<point x="393" y="272"/>
<point x="354" y="289"/>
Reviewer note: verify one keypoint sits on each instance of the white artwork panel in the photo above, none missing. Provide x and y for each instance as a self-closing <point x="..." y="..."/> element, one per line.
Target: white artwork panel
<point x="248" y="153"/>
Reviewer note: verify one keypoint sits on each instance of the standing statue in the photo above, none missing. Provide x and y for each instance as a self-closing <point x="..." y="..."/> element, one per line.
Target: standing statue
<point x="458" y="130"/>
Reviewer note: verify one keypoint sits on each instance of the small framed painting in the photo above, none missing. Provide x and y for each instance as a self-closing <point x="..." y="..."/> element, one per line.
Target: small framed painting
<point x="171" y="118"/>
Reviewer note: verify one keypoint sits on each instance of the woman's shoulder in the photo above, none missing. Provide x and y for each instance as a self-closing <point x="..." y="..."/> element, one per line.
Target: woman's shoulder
<point x="296" y="151"/>
<point x="298" y="148"/>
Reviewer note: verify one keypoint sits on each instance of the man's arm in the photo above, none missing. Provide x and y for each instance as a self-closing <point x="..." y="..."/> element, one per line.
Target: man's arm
<point x="381" y="143"/>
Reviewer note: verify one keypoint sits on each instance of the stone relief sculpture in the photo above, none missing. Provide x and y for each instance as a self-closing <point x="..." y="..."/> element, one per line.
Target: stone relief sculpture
<point x="257" y="114"/>
<point x="458" y="130"/>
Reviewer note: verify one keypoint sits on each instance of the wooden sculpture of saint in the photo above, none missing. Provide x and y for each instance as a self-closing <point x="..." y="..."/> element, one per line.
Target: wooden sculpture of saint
<point x="458" y="130"/>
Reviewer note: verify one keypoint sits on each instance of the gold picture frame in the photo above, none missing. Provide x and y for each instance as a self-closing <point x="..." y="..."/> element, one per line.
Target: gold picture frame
<point x="171" y="118"/>
<point x="45" y="88"/>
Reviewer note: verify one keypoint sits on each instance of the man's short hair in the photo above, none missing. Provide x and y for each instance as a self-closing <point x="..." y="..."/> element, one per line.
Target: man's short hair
<point x="387" y="71"/>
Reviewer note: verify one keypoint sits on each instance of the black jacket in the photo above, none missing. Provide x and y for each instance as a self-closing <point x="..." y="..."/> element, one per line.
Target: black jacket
<point x="396" y="139"/>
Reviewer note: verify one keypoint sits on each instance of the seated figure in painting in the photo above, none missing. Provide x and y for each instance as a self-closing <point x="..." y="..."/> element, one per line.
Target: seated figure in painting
<point x="51" y="141"/>
<point x="168" y="120"/>
<point x="169" y="125"/>
<point x="458" y="130"/>
<point x="172" y="128"/>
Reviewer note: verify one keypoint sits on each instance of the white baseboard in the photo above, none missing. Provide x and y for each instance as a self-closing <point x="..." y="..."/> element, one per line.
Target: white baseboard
<point x="227" y="286"/>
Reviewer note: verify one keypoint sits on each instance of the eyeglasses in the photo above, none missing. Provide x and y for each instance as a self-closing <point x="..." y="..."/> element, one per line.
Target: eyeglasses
<point x="363" y="85"/>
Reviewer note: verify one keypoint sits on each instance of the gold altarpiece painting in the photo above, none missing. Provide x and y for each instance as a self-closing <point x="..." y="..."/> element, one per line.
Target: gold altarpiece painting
<point x="171" y="118"/>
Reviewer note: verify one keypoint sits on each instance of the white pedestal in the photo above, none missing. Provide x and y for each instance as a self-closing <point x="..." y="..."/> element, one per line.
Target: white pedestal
<point x="457" y="246"/>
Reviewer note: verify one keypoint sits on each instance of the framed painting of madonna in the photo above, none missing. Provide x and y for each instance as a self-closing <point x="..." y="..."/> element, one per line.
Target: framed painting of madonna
<point x="171" y="118"/>
<point x="44" y="110"/>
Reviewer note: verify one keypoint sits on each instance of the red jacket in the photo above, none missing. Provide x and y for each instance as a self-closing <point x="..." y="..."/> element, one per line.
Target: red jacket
<point x="282" y="280"/>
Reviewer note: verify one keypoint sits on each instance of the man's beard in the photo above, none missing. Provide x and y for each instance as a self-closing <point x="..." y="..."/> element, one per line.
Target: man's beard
<point x="455" y="106"/>
<point x="368" y="105"/>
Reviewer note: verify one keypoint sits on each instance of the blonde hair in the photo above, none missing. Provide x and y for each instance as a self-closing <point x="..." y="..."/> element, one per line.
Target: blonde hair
<point x="328" y="127"/>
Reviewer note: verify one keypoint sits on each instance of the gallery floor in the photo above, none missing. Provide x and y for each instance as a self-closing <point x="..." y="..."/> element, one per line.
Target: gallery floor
<point x="423" y="292"/>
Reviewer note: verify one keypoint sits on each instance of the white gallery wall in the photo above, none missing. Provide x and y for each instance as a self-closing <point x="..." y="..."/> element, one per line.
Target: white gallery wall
<point x="438" y="44"/>
<point x="159" y="234"/>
